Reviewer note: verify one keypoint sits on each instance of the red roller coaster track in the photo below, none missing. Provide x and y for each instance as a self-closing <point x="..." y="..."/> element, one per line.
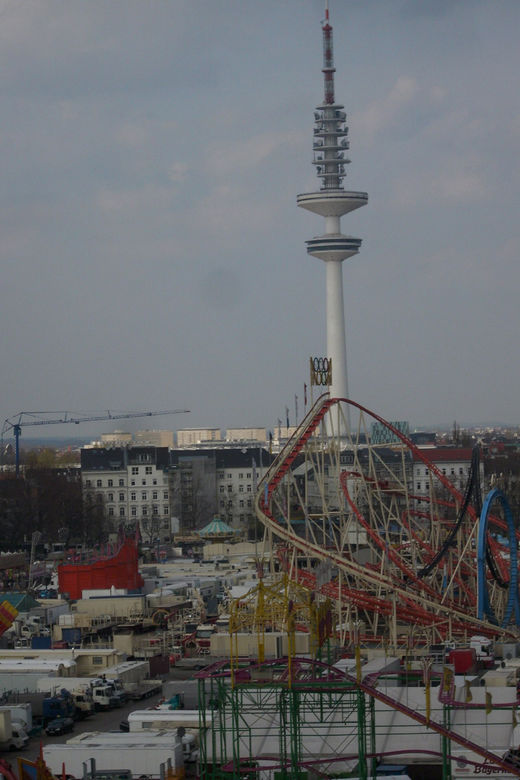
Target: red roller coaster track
<point x="361" y="518"/>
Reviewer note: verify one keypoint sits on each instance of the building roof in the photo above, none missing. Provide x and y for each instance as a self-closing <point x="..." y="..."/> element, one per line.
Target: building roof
<point x="233" y="457"/>
<point x="119" y="458"/>
<point x="243" y="456"/>
<point x="23" y="602"/>
<point x="217" y="528"/>
<point x="447" y="454"/>
<point x="36" y="665"/>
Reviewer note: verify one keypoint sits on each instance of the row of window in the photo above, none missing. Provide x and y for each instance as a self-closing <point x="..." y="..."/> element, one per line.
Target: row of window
<point x="458" y="484"/>
<point x="242" y="518"/>
<point x="229" y="475"/>
<point x="149" y="470"/>
<point x="110" y="483"/>
<point x="444" y="470"/>
<point x="99" y="483"/>
<point x="133" y="511"/>
<point x="222" y="488"/>
<point x="241" y="503"/>
<point x="144" y="496"/>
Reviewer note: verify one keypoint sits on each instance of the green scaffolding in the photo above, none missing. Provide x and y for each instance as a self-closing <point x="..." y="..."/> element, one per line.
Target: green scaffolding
<point x="260" y="719"/>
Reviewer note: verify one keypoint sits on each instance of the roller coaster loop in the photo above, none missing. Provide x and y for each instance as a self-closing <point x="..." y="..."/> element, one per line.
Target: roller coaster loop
<point x="485" y="610"/>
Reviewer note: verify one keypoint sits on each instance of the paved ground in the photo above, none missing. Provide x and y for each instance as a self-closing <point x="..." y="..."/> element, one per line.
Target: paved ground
<point x="180" y="680"/>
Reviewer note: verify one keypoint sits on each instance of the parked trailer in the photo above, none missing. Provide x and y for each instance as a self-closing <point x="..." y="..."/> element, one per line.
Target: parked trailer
<point x="144" y="753"/>
<point x="12" y="734"/>
<point x="143" y="690"/>
<point x="165" y="719"/>
<point x="43" y="706"/>
<point x="56" y="684"/>
<point x="20" y="713"/>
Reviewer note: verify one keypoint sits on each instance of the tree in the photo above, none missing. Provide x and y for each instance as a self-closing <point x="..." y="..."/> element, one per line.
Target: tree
<point x="44" y="500"/>
<point x="150" y="524"/>
<point x="96" y="525"/>
<point x="16" y="512"/>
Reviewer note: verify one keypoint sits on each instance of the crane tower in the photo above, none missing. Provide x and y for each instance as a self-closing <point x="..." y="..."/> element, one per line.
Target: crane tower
<point x="332" y="201"/>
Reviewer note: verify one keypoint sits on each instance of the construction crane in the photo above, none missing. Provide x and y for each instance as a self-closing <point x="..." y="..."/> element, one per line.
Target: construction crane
<point x="16" y="423"/>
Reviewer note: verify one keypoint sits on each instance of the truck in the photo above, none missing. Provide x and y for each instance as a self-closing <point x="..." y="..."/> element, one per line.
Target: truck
<point x="59" y="706"/>
<point x="42" y="706"/>
<point x="122" y="692"/>
<point x="12" y="734"/>
<point x="144" y="753"/>
<point x="105" y="697"/>
<point x="83" y="702"/>
<point x="117" y="688"/>
<point x="133" y="689"/>
<point x="113" y="688"/>
<point x="88" y="694"/>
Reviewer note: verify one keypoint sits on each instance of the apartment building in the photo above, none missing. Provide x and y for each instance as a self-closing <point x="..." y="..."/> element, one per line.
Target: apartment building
<point x="219" y="482"/>
<point x="131" y="484"/>
<point x="452" y="462"/>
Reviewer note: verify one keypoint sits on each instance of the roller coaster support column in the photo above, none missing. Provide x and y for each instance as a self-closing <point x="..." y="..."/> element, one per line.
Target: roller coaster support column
<point x="295" y="732"/>
<point x="446" y="742"/>
<point x="362" y="735"/>
<point x="373" y="736"/>
<point x="284" y="759"/>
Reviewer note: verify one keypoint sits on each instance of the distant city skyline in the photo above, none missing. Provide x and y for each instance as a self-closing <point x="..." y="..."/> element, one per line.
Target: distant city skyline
<point x="79" y="441"/>
<point x="152" y="252"/>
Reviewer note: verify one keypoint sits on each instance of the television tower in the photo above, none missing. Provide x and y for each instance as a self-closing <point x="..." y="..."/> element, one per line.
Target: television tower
<point x="332" y="202"/>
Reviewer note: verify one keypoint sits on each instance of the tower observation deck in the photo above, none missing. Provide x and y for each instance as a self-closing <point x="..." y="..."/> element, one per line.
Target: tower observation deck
<point x="332" y="201"/>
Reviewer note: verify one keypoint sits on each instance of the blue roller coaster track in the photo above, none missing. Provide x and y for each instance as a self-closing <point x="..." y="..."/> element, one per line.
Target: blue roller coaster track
<point x="485" y="609"/>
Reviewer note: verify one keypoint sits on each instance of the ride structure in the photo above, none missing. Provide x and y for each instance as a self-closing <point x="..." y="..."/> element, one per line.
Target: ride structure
<point x="285" y="715"/>
<point x="119" y="569"/>
<point x="291" y="716"/>
<point x="361" y="553"/>
<point x="403" y="567"/>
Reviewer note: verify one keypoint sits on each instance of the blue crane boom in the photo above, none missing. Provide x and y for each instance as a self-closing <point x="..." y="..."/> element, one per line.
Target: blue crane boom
<point x="16" y="423"/>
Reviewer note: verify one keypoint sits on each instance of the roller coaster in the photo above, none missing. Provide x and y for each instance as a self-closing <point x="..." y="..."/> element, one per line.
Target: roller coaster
<point x="401" y="566"/>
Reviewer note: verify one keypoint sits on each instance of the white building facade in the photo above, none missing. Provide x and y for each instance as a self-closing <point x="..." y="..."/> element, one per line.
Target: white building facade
<point x="452" y="462"/>
<point x="131" y="484"/>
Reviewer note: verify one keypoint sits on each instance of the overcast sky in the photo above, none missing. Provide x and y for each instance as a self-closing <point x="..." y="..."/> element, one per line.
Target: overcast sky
<point x="152" y="254"/>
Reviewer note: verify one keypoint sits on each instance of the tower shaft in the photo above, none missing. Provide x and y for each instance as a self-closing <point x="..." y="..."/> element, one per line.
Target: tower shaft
<point x="336" y="340"/>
